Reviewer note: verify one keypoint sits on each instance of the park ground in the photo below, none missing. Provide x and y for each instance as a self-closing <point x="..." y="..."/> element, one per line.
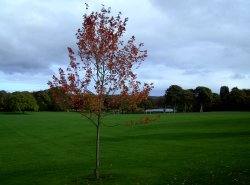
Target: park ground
<point x="58" y="148"/>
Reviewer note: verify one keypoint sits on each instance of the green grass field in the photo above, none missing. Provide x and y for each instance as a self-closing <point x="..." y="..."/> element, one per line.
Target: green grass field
<point x="186" y="148"/>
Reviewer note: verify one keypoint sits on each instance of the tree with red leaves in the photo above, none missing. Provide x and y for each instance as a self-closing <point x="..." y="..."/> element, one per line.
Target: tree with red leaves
<point x="105" y="68"/>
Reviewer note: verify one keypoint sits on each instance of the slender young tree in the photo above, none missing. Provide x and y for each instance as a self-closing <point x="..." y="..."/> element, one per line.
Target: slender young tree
<point x="105" y="67"/>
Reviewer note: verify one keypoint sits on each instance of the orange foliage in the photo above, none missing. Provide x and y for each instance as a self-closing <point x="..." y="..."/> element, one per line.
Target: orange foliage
<point x="144" y="121"/>
<point x="106" y="65"/>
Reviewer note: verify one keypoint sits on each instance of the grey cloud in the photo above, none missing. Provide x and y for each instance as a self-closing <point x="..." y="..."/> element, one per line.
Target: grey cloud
<point x="188" y="42"/>
<point x="239" y="76"/>
<point x="35" y="35"/>
<point x="213" y="35"/>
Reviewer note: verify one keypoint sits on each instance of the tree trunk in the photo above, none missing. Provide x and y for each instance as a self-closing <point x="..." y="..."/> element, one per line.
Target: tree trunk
<point x="185" y="108"/>
<point x="96" y="171"/>
<point x="201" y="109"/>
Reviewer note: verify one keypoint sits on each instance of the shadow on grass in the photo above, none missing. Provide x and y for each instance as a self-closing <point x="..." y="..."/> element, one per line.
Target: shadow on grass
<point x="90" y="179"/>
<point x="14" y="113"/>
<point x="181" y="136"/>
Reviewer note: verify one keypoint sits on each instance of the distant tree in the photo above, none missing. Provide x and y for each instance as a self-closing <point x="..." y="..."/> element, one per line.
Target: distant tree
<point x="247" y="91"/>
<point x="187" y="100"/>
<point x="159" y="102"/>
<point x="247" y="99"/>
<point x="3" y="98"/>
<point x="237" y="99"/>
<point x="204" y="96"/>
<point x="22" y="101"/>
<point x="173" y="96"/>
<point x="216" y="102"/>
<point x="146" y="104"/>
<point x="43" y="100"/>
<point x="224" y="95"/>
<point x="106" y="68"/>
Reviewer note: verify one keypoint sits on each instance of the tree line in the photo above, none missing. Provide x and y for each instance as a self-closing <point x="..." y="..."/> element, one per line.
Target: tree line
<point x="182" y="100"/>
<point x="29" y="101"/>
<point x="202" y="99"/>
<point x="47" y="101"/>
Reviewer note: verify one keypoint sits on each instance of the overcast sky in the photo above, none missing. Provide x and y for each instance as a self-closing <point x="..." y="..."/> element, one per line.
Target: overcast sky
<point x="190" y="42"/>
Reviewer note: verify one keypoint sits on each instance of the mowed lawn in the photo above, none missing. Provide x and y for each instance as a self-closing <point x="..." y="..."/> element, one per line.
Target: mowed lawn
<point x="47" y="148"/>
